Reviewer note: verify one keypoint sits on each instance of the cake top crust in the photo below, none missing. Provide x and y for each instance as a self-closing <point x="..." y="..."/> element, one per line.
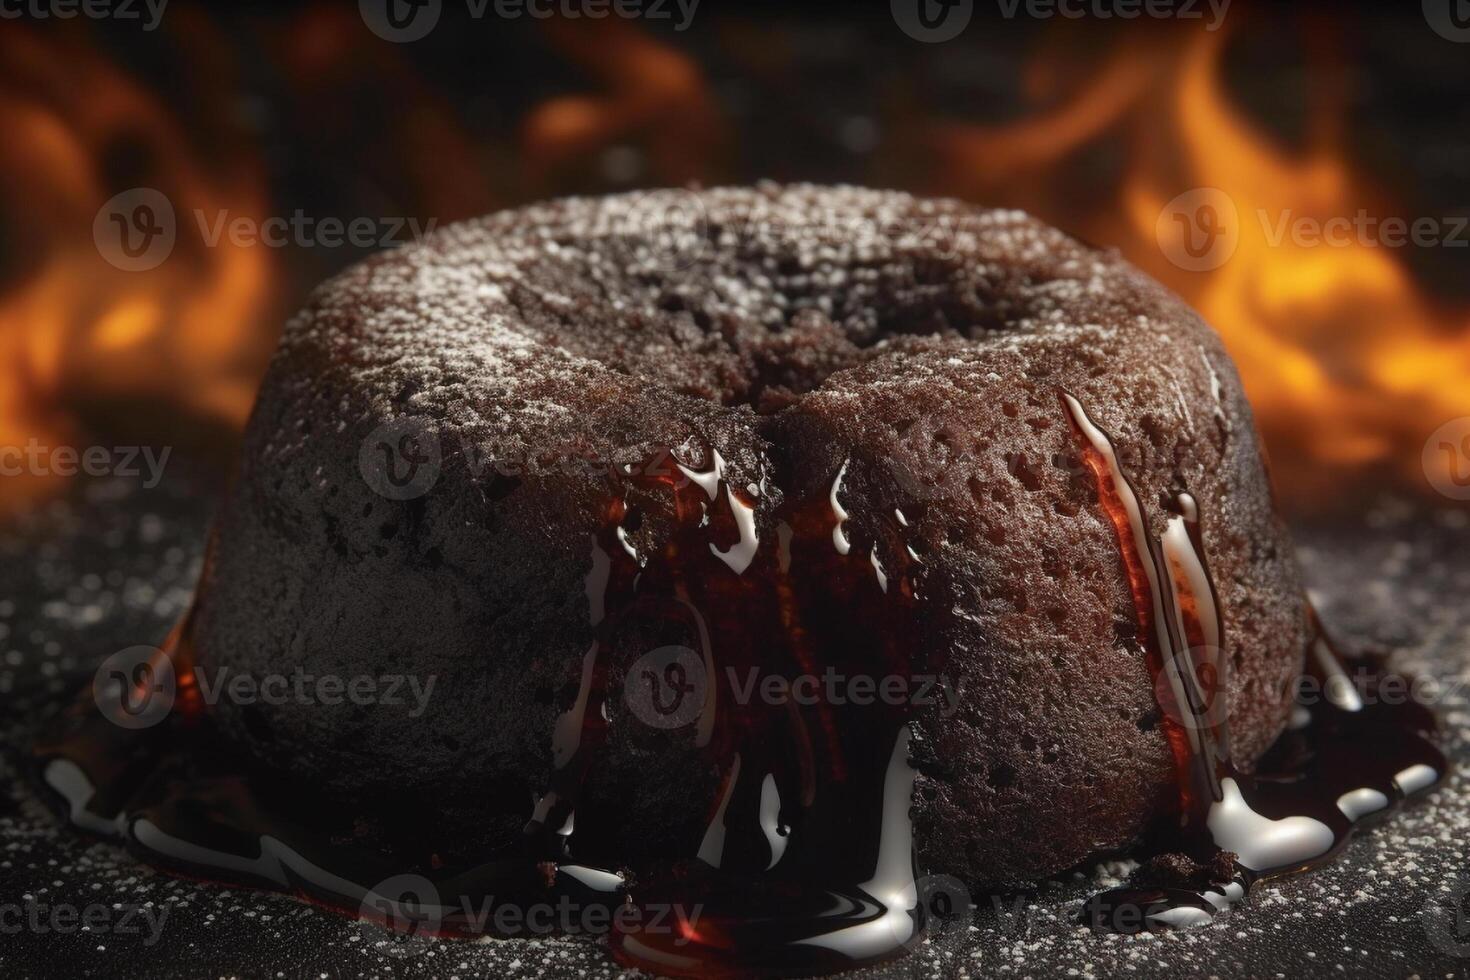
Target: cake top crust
<point x="737" y="297"/>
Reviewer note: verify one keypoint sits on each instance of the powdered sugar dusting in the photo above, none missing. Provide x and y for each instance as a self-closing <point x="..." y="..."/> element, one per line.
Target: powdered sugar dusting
<point x="727" y="296"/>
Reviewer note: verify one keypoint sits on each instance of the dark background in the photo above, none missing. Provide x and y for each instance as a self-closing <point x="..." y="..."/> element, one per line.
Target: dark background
<point x="1352" y="355"/>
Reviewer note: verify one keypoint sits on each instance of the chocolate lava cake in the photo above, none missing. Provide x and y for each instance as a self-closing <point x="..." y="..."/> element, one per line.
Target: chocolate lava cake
<point x="794" y="429"/>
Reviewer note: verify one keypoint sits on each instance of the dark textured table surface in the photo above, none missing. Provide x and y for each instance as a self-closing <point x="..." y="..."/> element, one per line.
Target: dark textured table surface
<point x="110" y="565"/>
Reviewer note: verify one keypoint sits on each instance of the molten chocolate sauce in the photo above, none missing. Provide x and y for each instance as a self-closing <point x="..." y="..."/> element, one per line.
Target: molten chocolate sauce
<point x="1349" y="753"/>
<point x="807" y="862"/>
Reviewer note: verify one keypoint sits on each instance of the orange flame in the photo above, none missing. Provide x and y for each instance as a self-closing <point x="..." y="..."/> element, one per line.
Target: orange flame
<point x="1348" y="364"/>
<point x="75" y="331"/>
<point x="654" y="96"/>
<point x="79" y="336"/>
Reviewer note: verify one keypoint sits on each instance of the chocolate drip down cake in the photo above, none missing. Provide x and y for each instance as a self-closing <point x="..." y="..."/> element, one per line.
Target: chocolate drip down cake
<point x="768" y="555"/>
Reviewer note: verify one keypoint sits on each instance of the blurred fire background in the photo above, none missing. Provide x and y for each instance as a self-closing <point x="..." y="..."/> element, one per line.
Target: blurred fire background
<point x="1353" y="353"/>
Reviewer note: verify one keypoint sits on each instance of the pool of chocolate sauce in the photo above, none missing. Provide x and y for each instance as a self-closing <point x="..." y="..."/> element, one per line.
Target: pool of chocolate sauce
<point x="807" y="864"/>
